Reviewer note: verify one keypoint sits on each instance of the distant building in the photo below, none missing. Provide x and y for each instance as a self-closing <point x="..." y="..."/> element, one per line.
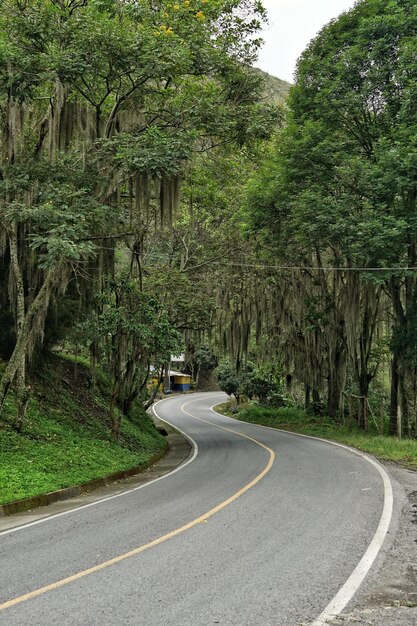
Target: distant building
<point x="179" y="381"/>
<point x="174" y="381"/>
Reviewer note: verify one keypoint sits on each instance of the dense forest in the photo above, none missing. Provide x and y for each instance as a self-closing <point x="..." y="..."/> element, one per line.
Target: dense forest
<point x="107" y="111"/>
<point x="335" y="201"/>
<point x="158" y="196"/>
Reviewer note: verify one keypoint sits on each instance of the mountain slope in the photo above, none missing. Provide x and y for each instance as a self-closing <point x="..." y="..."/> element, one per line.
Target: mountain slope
<point x="276" y="89"/>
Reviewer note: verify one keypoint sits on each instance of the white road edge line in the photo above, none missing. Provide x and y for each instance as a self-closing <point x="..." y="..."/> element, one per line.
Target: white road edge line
<point x="117" y="495"/>
<point x="351" y="586"/>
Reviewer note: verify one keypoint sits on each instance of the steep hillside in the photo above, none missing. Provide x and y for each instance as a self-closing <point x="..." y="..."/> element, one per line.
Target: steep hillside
<point x="276" y="88"/>
<point x="66" y="436"/>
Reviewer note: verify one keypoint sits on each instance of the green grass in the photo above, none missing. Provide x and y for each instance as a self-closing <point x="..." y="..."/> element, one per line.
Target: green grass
<point x="66" y="437"/>
<point x="402" y="451"/>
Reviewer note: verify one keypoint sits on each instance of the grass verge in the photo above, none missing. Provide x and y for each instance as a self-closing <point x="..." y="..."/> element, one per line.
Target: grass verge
<point x="401" y="451"/>
<point x="66" y="439"/>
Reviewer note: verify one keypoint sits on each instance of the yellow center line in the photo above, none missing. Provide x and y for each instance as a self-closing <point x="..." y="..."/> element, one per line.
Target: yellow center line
<point x="159" y="540"/>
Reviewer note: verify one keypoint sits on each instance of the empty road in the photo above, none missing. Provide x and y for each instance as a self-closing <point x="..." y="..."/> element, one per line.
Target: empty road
<point x="257" y="528"/>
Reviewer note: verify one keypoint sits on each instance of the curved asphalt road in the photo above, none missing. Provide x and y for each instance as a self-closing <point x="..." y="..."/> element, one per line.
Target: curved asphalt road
<point x="275" y="555"/>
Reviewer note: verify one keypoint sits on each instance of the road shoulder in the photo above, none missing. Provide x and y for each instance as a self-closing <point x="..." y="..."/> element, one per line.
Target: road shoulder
<point x="389" y="598"/>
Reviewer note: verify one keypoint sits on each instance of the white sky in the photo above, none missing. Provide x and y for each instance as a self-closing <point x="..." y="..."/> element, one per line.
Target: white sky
<point x="292" y="24"/>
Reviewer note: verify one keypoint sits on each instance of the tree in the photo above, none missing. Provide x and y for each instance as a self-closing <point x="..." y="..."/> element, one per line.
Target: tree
<point x="102" y="105"/>
<point x="133" y="333"/>
<point x="341" y="192"/>
<point x="257" y="384"/>
<point x="203" y="361"/>
<point x="228" y="380"/>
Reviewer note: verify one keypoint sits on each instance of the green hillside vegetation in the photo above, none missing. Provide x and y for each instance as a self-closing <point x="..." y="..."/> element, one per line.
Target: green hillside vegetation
<point x="66" y="441"/>
<point x="276" y="89"/>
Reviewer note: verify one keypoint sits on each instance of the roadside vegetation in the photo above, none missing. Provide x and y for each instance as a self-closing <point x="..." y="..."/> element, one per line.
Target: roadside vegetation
<point x="108" y="111"/>
<point x="334" y="208"/>
<point x="263" y="395"/>
<point x="66" y="440"/>
<point x="385" y="448"/>
<point x="327" y="322"/>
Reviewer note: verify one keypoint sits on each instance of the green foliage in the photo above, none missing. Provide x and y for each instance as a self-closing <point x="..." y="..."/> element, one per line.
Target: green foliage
<point x="128" y="312"/>
<point x="401" y="451"/>
<point x="204" y="360"/>
<point x="227" y="379"/>
<point x="263" y="383"/>
<point x="130" y="331"/>
<point x="105" y="107"/>
<point x="66" y="437"/>
<point x="155" y="151"/>
<point x="253" y="385"/>
<point x="338" y="189"/>
<point x="64" y="215"/>
<point x="341" y="172"/>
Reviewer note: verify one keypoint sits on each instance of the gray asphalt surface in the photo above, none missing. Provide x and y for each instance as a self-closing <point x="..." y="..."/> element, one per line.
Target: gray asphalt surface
<point x="275" y="556"/>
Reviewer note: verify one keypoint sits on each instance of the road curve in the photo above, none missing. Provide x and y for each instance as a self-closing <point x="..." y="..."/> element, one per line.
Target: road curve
<point x="260" y="528"/>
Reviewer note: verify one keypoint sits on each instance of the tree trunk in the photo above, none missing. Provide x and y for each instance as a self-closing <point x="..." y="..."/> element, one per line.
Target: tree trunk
<point x="403" y="426"/>
<point x="336" y="386"/>
<point x="114" y="417"/>
<point x="167" y="378"/>
<point x="335" y="399"/>
<point x="306" y="396"/>
<point x="38" y="307"/>
<point x="364" y="403"/>
<point x="350" y="425"/>
<point x="93" y="364"/>
<point x="22" y="392"/>
<point x="393" y="412"/>
<point x="363" y="393"/>
<point x="152" y="397"/>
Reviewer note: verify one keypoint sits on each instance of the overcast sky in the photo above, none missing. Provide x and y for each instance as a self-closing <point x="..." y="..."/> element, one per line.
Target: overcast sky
<point x="292" y="24"/>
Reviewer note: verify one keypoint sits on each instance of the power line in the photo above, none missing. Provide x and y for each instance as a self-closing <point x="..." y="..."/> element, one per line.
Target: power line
<point x="320" y="269"/>
<point x="205" y="262"/>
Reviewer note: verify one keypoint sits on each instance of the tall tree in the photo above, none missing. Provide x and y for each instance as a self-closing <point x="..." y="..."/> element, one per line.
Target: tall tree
<point x="341" y="191"/>
<point x="102" y="105"/>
